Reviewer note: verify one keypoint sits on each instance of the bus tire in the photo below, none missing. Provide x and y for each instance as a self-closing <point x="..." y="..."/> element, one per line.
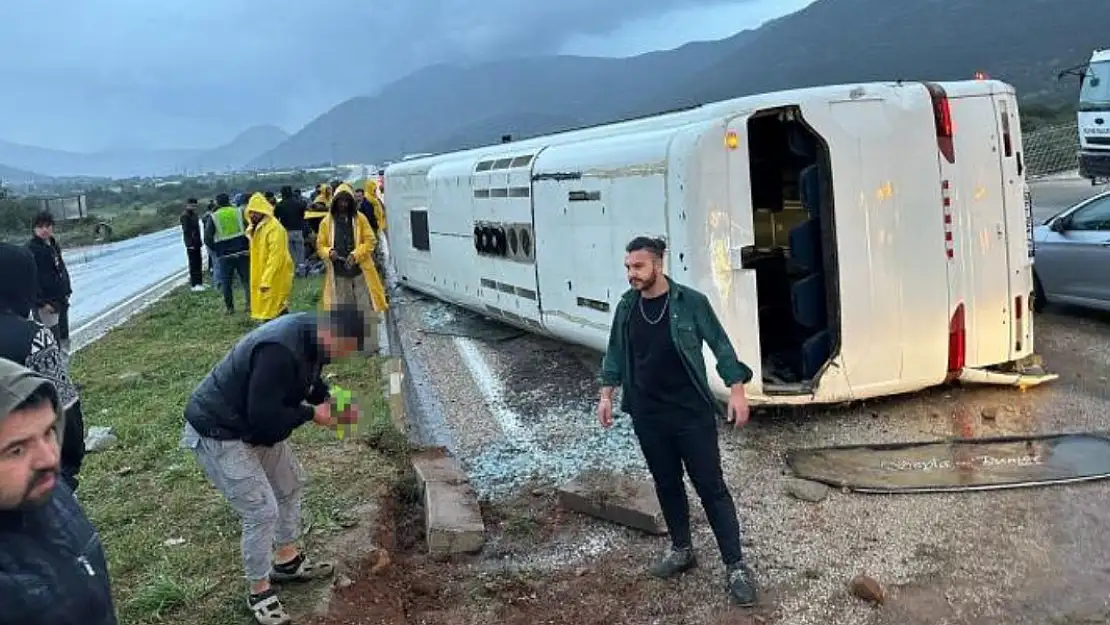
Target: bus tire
<point x="1039" y="299"/>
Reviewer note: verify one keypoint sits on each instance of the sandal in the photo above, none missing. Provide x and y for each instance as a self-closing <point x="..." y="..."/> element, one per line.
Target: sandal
<point x="301" y="569"/>
<point x="267" y="608"/>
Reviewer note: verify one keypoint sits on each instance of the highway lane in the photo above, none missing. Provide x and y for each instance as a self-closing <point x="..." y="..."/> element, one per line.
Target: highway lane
<point x="1051" y="195"/>
<point x="106" y="275"/>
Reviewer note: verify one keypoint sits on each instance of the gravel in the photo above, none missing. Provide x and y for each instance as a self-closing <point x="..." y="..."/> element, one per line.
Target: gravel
<point x="521" y="411"/>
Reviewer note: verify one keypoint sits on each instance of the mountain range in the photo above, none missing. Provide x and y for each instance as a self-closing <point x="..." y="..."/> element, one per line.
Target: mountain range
<point x="20" y="160"/>
<point x="446" y="107"/>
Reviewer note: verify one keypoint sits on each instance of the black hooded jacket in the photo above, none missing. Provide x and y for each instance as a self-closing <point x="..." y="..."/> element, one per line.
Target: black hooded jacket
<point x="53" y="277"/>
<point x="31" y="344"/>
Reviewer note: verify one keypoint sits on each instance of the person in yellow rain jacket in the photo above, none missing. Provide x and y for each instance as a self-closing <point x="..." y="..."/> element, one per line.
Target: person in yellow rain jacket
<point x="346" y="244"/>
<point x="271" y="263"/>
<point x="371" y="187"/>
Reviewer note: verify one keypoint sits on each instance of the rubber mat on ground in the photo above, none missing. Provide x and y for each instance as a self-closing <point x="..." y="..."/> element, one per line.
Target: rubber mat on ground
<point x="955" y="465"/>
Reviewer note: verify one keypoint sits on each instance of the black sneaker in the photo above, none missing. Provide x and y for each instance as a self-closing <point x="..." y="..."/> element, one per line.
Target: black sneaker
<point x="740" y="582"/>
<point x="675" y="562"/>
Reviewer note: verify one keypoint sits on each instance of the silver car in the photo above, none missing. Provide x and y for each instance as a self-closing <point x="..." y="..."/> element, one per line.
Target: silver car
<point x="1072" y="256"/>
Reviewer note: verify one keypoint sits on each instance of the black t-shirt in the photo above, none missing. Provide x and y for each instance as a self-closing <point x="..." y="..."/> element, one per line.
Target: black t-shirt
<point x="660" y="381"/>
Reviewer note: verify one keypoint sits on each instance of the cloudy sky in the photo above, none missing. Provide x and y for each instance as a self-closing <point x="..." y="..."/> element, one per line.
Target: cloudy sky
<point x="96" y="74"/>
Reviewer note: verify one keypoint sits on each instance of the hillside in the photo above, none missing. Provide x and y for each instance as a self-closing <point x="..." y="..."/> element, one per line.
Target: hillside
<point x="125" y="163"/>
<point x="10" y="176"/>
<point x="236" y="153"/>
<point x="445" y="107"/>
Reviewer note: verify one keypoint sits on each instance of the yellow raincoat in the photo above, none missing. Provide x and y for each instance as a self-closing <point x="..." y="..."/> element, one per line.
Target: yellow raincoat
<point x="323" y="193"/>
<point x="365" y="241"/>
<point x="371" y="188"/>
<point x="271" y="264"/>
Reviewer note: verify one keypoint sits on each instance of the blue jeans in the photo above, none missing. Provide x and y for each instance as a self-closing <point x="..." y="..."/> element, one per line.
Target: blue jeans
<point x="226" y="268"/>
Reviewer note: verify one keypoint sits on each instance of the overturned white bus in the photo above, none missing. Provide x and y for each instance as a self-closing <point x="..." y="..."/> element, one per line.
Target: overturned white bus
<point x="856" y="240"/>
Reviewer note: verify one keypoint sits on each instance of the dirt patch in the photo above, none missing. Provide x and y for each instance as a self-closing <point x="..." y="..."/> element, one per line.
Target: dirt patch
<point x="500" y="586"/>
<point x="397" y="581"/>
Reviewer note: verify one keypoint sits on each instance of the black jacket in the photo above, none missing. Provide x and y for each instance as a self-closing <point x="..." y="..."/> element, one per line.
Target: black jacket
<point x="53" y="277"/>
<point x="52" y="566"/>
<point x="259" y="393"/>
<point x="367" y="208"/>
<point x="290" y="212"/>
<point x="31" y="344"/>
<point x="190" y="229"/>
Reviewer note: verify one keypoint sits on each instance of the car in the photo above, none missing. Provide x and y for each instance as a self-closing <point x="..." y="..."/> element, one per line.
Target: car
<point x="1071" y="262"/>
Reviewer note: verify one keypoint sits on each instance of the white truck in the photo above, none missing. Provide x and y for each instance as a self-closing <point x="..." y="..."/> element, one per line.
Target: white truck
<point x="1093" y="116"/>
<point x="855" y="240"/>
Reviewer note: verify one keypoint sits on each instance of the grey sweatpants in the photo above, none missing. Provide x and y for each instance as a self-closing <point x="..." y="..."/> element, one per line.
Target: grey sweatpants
<point x="264" y="486"/>
<point x="296" y="250"/>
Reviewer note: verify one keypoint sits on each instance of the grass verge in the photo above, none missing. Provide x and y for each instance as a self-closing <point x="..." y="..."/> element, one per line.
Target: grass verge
<point x="146" y="494"/>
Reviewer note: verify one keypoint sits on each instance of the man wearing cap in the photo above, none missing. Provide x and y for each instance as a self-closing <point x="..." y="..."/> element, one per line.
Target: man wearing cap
<point x="237" y="422"/>
<point x="52" y="565"/>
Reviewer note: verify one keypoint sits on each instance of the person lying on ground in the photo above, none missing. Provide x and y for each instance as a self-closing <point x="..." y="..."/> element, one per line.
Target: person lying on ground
<point x="237" y="423"/>
<point x="52" y="566"/>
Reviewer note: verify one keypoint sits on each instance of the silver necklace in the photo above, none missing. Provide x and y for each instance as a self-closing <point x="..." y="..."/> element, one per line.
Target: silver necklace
<point x="662" y="313"/>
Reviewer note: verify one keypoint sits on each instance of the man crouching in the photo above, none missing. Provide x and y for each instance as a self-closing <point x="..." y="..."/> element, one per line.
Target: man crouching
<point x="237" y="423"/>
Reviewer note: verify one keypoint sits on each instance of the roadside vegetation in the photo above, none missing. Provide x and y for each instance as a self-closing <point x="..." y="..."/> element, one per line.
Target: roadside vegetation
<point x="171" y="539"/>
<point x="132" y="207"/>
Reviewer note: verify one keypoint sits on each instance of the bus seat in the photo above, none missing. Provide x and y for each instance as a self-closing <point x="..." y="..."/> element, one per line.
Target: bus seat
<point x="809" y="186"/>
<point x="815" y="351"/>
<point x="807" y="297"/>
<point x="805" y="244"/>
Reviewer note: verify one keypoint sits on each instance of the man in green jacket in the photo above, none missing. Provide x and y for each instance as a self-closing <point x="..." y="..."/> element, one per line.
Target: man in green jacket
<point x="655" y="356"/>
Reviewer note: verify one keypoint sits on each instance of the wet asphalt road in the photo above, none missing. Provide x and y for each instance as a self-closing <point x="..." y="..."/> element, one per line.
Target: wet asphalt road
<point x="1052" y="195"/>
<point x="106" y="275"/>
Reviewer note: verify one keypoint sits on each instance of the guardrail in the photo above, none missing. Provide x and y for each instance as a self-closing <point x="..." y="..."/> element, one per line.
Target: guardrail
<point x="1051" y="150"/>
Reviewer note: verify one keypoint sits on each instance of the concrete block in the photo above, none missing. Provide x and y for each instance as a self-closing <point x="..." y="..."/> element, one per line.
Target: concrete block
<point x="617" y="498"/>
<point x="434" y="465"/>
<point x="454" y="520"/>
<point x="393" y="378"/>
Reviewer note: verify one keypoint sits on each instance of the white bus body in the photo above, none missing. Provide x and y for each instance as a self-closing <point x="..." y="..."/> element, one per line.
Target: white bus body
<point x="1093" y="115"/>
<point x="855" y="241"/>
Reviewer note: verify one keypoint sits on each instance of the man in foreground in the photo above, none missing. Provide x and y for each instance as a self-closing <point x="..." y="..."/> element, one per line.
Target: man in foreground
<point x="655" y="356"/>
<point x="238" y="421"/>
<point x="31" y="344"/>
<point x="271" y="265"/>
<point x="52" y="566"/>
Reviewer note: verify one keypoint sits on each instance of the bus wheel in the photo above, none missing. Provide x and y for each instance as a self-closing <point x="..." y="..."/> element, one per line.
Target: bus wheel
<point x="1039" y="299"/>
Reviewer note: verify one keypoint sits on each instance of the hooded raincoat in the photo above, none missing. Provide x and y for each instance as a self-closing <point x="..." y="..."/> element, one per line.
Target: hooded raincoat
<point x="271" y="264"/>
<point x="365" y="241"/>
<point x="371" y="188"/>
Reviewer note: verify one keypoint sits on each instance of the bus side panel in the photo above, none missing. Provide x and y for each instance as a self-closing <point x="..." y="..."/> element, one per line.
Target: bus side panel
<point x="591" y="199"/>
<point x="979" y="227"/>
<point x="890" y="241"/>
<point x="1018" y="223"/>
